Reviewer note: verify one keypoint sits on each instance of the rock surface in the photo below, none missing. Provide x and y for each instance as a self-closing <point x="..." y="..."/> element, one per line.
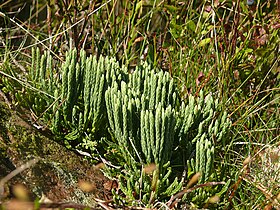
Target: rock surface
<point x="57" y="172"/>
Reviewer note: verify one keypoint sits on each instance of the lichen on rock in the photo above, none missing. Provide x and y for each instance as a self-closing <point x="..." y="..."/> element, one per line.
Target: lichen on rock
<point x="58" y="171"/>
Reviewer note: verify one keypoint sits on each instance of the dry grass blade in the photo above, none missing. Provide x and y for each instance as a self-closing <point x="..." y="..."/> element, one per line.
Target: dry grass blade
<point x="25" y="84"/>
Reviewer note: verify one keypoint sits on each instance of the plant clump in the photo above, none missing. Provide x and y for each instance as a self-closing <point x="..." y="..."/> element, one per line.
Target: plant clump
<point x="94" y="103"/>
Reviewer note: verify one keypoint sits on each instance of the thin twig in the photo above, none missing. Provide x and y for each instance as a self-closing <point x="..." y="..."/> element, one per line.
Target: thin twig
<point x="103" y="204"/>
<point x="16" y="172"/>
<point x="174" y="199"/>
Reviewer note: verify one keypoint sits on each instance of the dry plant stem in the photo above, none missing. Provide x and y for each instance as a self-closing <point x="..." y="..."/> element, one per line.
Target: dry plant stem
<point x="204" y="82"/>
<point x="103" y="205"/>
<point x="18" y="65"/>
<point x="244" y="172"/>
<point x="245" y="103"/>
<point x="27" y="31"/>
<point x="49" y="22"/>
<point x="56" y="35"/>
<point x="176" y="198"/>
<point x="7" y="101"/>
<point x="106" y="24"/>
<point x="16" y="172"/>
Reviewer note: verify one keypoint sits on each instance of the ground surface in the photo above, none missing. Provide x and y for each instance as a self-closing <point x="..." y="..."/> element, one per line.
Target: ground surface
<point x="57" y="172"/>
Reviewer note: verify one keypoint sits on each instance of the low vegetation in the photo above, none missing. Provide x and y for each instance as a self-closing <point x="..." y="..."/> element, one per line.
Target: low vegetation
<point x="179" y="101"/>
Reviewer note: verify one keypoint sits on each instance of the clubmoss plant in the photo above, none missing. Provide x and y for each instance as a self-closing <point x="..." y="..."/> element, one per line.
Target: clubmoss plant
<point x="147" y="120"/>
<point x="78" y="92"/>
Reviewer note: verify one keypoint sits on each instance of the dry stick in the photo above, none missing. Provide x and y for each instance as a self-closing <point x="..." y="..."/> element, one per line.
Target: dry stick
<point x="103" y="204"/>
<point x="16" y="172"/>
<point x="173" y="200"/>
